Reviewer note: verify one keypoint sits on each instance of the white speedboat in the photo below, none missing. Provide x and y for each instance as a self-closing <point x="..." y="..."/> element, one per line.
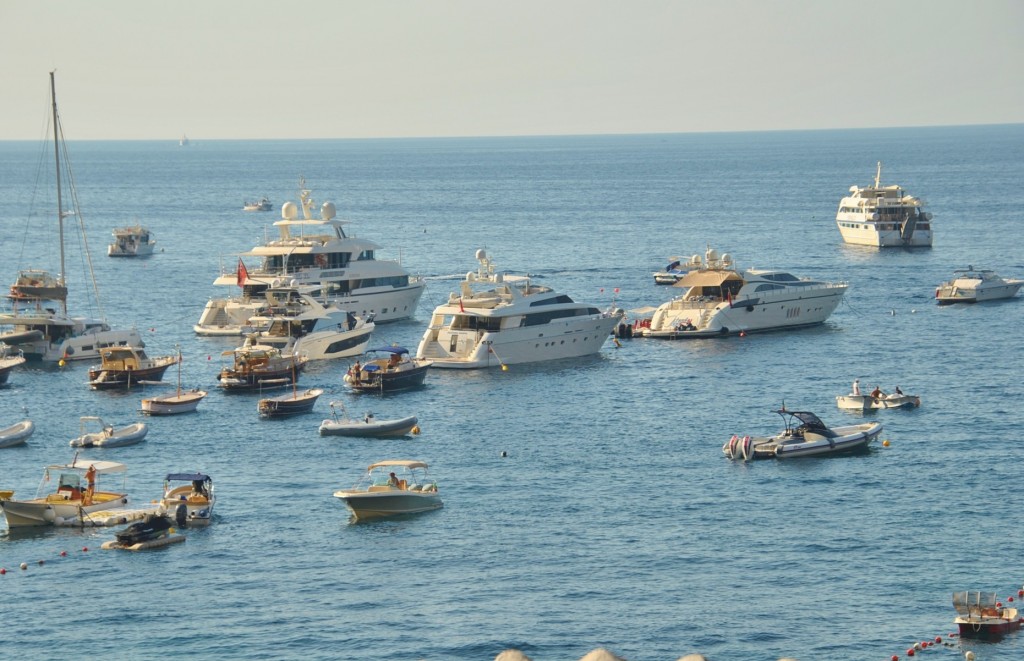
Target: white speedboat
<point x="75" y="495"/>
<point x="721" y="300"/>
<point x="396" y="486"/>
<point x="42" y="327"/>
<point x="368" y="426"/>
<point x="317" y="253"/>
<point x="16" y="434"/>
<point x="972" y="285"/>
<point x="805" y="435"/>
<point x="262" y="204"/>
<point x="135" y="241"/>
<point x="672" y="273"/>
<point x="883" y="216"/>
<point x="496" y="319"/>
<point x="296" y="322"/>
<point x="189" y="498"/>
<point x="107" y="436"/>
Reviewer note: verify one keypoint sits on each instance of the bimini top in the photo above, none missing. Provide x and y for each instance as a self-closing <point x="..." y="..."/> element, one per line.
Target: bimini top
<point x="395" y="350"/>
<point x="407" y="463"/>
<point x="83" y="465"/>
<point x="187" y="477"/>
<point x="812" y="421"/>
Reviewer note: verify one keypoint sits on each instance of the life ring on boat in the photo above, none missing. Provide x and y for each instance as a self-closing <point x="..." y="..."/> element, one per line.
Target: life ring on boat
<point x="321" y="260"/>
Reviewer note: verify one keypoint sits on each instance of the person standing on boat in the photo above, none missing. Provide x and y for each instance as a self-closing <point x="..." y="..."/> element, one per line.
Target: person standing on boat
<point x="90" y="478"/>
<point x="856" y="387"/>
<point x="877" y="393"/>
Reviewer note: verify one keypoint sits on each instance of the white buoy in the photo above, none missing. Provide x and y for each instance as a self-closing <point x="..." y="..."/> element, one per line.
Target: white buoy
<point x="969" y="655"/>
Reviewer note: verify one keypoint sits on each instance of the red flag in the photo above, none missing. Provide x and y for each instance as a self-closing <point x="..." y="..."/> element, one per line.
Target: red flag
<point x="461" y="309"/>
<point x="243" y="275"/>
<point x="728" y="295"/>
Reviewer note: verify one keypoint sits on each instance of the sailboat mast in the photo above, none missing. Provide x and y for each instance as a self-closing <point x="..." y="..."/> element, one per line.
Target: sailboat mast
<point x="60" y="201"/>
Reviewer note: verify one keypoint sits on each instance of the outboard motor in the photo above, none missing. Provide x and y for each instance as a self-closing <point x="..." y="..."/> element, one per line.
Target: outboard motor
<point x="181" y="515"/>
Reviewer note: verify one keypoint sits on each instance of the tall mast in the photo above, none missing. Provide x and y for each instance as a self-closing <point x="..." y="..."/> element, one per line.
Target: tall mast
<point x="60" y="201"/>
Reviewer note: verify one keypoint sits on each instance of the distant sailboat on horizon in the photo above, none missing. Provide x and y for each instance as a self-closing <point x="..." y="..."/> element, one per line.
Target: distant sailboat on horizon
<point x="183" y="142"/>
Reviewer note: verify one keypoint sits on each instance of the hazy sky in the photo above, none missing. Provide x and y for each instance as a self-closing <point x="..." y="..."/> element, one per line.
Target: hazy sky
<point x="137" y="69"/>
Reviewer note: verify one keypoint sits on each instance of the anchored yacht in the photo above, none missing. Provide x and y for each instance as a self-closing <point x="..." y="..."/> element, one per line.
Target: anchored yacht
<point x="883" y="216"/>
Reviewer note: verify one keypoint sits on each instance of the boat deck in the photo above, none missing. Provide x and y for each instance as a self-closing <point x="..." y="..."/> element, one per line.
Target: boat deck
<point x="105" y="518"/>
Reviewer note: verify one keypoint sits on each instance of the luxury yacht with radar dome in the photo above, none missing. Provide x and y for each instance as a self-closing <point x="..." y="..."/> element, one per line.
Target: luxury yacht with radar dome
<point x="719" y="299"/>
<point x="316" y="253"/>
<point x="498" y="319"/>
<point x="883" y="216"/>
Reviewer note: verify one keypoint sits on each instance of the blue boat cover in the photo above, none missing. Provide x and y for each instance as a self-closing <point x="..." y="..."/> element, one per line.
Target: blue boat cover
<point x="187" y="477"/>
<point x="395" y="349"/>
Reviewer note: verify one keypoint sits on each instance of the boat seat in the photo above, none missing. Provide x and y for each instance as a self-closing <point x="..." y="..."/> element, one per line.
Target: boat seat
<point x="415" y="487"/>
<point x="379" y="487"/>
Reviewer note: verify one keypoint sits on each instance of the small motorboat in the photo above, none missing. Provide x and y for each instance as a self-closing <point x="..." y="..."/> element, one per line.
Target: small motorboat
<point x="367" y="426"/>
<point x="16" y="434"/>
<point x="972" y="285"/>
<point x="189" y="498"/>
<point x="262" y="204"/>
<point x="300" y="401"/>
<point x="876" y="399"/>
<point x="9" y="359"/>
<point x="396" y="486"/>
<point x="108" y="436"/>
<point x="257" y="367"/>
<point x="397" y="371"/>
<point x="153" y="527"/>
<point x="805" y="435"/>
<point x="182" y="401"/>
<point x="672" y="273"/>
<point x="75" y="496"/>
<point x="982" y="615"/>
<point x="123" y="367"/>
<point x="136" y="241"/>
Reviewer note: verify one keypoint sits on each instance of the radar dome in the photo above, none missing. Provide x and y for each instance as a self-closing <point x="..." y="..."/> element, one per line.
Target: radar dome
<point x="289" y="211"/>
<point x="711" y="254"/>
<point x="695" y="260"/>
<point x="327" y="211"/>
<point x="726" y="258"/>
<point x="481" y="254"/>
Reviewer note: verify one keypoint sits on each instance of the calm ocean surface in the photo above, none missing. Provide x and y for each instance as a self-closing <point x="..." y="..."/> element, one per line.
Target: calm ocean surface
<point x="614" y="520"/>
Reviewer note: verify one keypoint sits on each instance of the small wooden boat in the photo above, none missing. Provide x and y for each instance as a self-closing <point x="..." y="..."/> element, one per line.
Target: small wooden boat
<point x="982" y="615"/>
<point x="16" y="434"/>
<point x="182" y="401"/>
<point x="367" y="426"/>
<point x="396" y="371"/>
<point x="805" y="435"/>
<point x="300" y="401"/>
<point x="258" y="367"/>
<point x="396" y="486"/>
<point x="108" y="436"/>
<point x="124" y="367"/>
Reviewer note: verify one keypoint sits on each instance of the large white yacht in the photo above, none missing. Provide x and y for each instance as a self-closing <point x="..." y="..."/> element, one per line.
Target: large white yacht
<point x="497" y="319"/>
<point x="883" y="216"/>
<point x="42" y="328"/>
<point x="315" y="252"/>
<point x="721" y="300"/>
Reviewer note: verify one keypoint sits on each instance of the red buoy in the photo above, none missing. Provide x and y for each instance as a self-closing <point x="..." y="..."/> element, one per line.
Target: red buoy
<point x="63" y="554"/>
<point x="938" y="639"/>
<point x="84" y="549"/>
<point x="910" y="652"/>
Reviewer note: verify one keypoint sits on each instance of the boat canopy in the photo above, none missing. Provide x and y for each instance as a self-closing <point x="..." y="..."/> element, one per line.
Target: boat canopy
<point x="188" y="477"/>
<point x="395" y="350"/>
<point x="83" y="465"/>
<point x="407" y="463"/>
<point x="812" y="421"/>
<point x="706" y="279"/>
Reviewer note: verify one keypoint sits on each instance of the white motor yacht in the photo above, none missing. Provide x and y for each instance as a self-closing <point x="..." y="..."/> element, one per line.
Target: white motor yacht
<point x="972" y="285"/>
<point x="497" y="319"/>
<point x="135" y="241"/>
<point x="720" y="300"/>
<point x="883" y="216"/>
<point x="317" y="253"/>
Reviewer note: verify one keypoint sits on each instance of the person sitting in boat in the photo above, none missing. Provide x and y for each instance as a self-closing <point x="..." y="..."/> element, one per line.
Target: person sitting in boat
<point x="393" y="480"/>
<point x="393" y="361"/>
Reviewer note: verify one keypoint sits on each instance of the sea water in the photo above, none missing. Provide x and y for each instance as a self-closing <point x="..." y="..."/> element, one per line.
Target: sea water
<point x="587" y="502"/>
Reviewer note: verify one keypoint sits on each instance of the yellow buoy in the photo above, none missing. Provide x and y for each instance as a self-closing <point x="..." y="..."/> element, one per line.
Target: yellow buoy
<point x="61" y="362"/>
<point x="415" y="429"/>
<point x="504" y="367"/>
<point x="885" y="443"/>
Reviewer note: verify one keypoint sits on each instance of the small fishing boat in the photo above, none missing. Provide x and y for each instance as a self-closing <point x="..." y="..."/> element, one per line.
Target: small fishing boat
<point x="396" y="486"/>
<point x="108" y="436"/>
<point x="672" y="273"/>
<point x="71" y="498"/>
<point x="9" y="359"/>
<point x="123" y="367"/>
<point x="858" y="401"/>
<point x="182" y="401"/>
<point x="367" y="426"/>
<point x="262" y="204"/>
<point x="135" y="241"/>
<point x="16" y="434"/>
<point x="972" y="285"/>
<point x="396" y="371"/>
<point x="256" y="367"/>
<point x="300" y="401"/>
<point x="189" y="498"/>
<point x="981" y="615"/>
<point x="805" y="435"/>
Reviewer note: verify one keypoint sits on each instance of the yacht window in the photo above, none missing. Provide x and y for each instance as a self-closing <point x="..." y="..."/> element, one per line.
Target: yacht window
<point x="553" y="301"/>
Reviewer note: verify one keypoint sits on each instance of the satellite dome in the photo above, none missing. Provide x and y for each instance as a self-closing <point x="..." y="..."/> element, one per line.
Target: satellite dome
<point x="481" y="254"/>
<point x="289" y="211"/>
<point x="327" y="211"/>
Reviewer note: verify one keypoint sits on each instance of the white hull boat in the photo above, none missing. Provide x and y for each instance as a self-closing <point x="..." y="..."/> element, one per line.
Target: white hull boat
<point x="75" y="497"/>
<point x="883" y="216"/>
<point x="315" y="253"/>
<point x="9" y="359"/>
<point x="108" y="436"/>
<point x="497" y="320"/>
<point x="805" y="435"/>
<point x="974" y="286"/>
<point x="295" y="322"/>
<point x="368" y="426"/>
<point x="406" y="491"/>
<point x="868" y="403"/>
<point x="16" y="434"/>
<point x="719" y="300"/>
<point x="189" y="498"/>
<point x="136" y="241"/>
<point x="183" y="401"/>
